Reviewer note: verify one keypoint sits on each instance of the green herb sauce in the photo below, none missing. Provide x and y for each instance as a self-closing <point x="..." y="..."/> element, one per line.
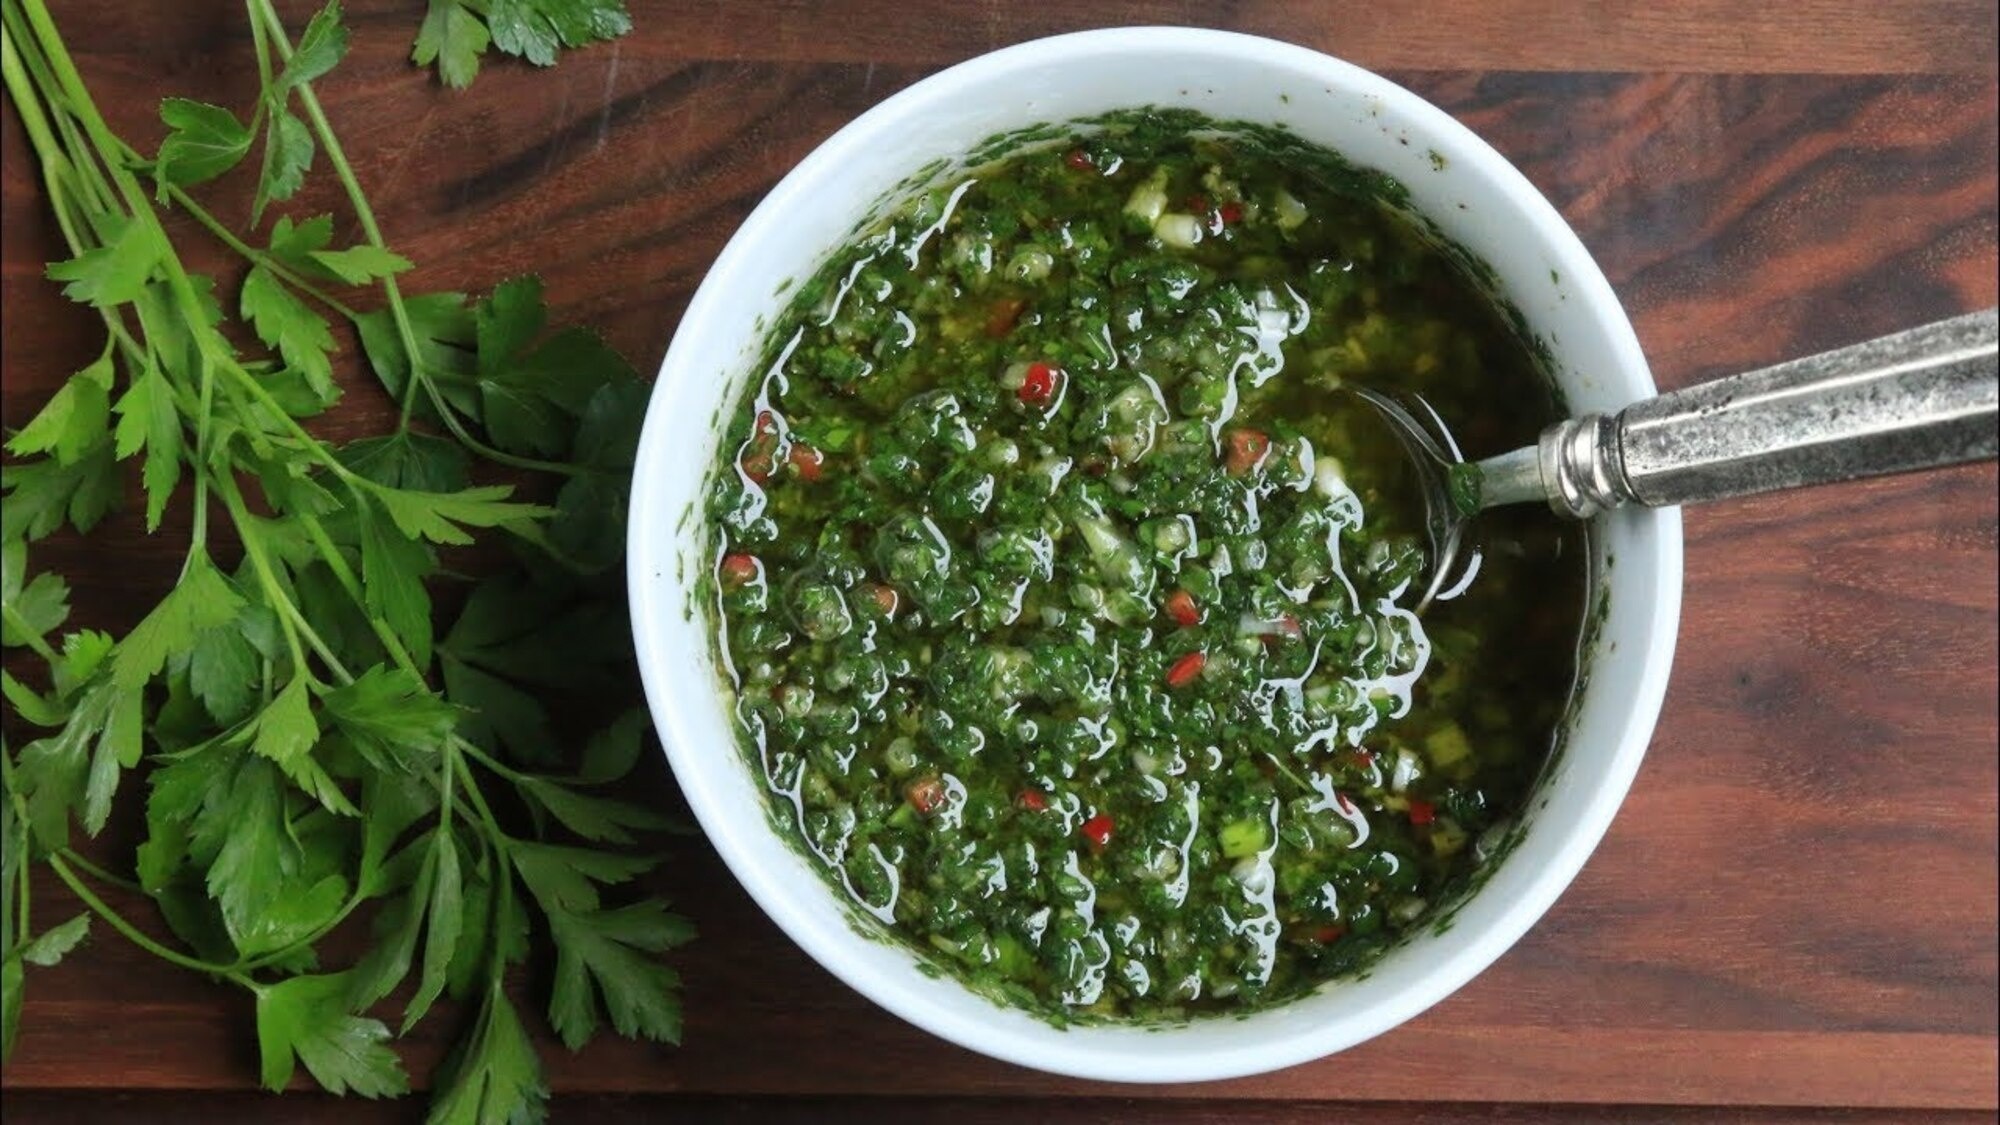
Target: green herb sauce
<point x="1065" y="596"/>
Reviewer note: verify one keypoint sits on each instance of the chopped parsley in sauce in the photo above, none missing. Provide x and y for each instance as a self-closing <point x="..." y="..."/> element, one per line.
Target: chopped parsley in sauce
<point x="1066" y="599"/>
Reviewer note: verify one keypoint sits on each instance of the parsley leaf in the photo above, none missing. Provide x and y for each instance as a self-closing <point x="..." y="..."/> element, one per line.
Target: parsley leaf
<point x="535" y="29"/>
<point x="286" y="732"/>
<point x="445" y="908"/>
<point x="493" y="1077"/>
<point x="454" y="38"/>
<point x="359" y="265"/>
<point x="148" y="419"/>
<point x="442" y="517"/>
<point x="254" y="850"/>
<point x="294" y="243"/>
<point x="290" y="325"/>
<point x="51" y="945"/>
<point x="456" y="32"/>
<point x="115" y="273"/>
<point x="33" y="608"/>
<point x="73" y="422"/>
<point x="41" y="494"/>
<point x="305" y="1019"/>
<point x="593" y="818"/>
<point x="203" y="599"/>
<point x="78" y="768"/>
<point x="45" y="949"/>
<point x="288" y="156"/>
<point x="605" y="946"/>
<point x="391" y="711"/>
<point x="223" y="669"/>
<point x="532" y="396"/>
<point x="320" y="49"/>
<point x="206" y="141"/>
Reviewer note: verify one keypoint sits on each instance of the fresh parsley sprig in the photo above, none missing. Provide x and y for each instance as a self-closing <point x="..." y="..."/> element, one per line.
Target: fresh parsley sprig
<point x="456" y="33"/>
<point x="312" y="749"/>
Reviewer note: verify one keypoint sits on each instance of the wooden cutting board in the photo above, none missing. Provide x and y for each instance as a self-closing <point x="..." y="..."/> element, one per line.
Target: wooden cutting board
<point x="1796" y="906"/>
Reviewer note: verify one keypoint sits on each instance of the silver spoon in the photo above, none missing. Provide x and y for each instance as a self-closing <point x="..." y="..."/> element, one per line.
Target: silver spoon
<point x="1921" y="399"/>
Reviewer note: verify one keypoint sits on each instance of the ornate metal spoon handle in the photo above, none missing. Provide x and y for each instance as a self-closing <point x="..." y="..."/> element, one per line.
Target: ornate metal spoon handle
<point x="1921" y="399"/>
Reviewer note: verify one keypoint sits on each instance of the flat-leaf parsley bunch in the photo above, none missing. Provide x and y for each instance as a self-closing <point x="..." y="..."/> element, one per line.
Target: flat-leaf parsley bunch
<point x="311" y="746"/>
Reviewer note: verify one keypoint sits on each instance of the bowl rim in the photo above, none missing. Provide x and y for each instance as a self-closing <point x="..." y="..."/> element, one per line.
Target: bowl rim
<point x="1064" y="1051"/>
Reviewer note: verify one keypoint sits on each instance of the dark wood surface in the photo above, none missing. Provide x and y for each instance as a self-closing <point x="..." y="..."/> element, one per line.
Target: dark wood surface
<point x="1796" y="908"/>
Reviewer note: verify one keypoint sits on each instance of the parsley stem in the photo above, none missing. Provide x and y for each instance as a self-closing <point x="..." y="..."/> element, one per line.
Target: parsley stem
<point x="493" y="829"/>
<point x="105" y="144"/>
<point x="309" y="443"/>
<point x="33" y="637"/>
<point x="27" y="831"/>
<point x="344" y="574"/>
<point x="132" y="933"/>
<point x="498" y="767"/>
<point x="336" y="158"/>
<point x="293" y="618"/>
<point x="497" y="456"/>
<point x="253" y="255"/>
<point x="100" y="874"/>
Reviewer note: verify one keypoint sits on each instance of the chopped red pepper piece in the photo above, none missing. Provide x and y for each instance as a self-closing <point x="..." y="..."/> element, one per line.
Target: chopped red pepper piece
<point x="1422" y="812"/>
<point x="1186" y="669"/>
<point x="1327" y="935"/>
<point x="807" y="461"/>
<point x="760" y="453"/>
<point x="885" y="598"/>
<point x="1365" y="756"/>
<point x="1230" y="213"/>
<point x="739" y="570"/>
<point x="925" y="794"/>
<point x="1079" y="160"/>
<point x="1033" y="800"/>
<point x="1181" y="607"/>
<point x="1038" y="386"/>
<point x="1285" y="628"/>
<point x="1247" y="450"/>
<point x="1000" y="320"/>
<point x="1097" y="830"/>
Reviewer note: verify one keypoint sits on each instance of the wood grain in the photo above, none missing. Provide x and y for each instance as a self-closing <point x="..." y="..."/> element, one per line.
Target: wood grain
<point x="1797" y="905"/>
<point x="89" y="1107"/>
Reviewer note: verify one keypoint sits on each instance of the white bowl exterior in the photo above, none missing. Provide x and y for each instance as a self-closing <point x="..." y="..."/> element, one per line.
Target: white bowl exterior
<point x="1543" y="270"/>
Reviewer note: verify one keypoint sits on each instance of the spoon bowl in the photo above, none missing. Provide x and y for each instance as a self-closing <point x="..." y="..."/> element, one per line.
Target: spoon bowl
<point x="1925" y="398"/>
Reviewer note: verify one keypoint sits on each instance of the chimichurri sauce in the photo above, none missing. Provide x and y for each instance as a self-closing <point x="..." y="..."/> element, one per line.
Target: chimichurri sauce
<point x="1065" y="595"/>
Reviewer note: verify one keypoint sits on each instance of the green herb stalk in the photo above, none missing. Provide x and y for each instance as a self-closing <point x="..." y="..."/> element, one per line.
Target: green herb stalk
<point x="312" y="750"/>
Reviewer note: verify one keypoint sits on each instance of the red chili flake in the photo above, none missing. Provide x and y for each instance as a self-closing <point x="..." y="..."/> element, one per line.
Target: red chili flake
<point x="739" y="570"/>
<point x="1230" y="213"/>
<point x="1247" y="450"/>
<point x="1422" y="813"/>
<point x="885" y="598"/>
<point x="1038" y="386"/>
<point x="1181" y="607"/>
<point x="1327" y="935"/>
<point x="1033" y="800"/>
<point x="1186" y="669"/>
<point x="925" y="794"/>
<point x="1365" y="756"/>
<point x="807" y="462"/>
<point x="1000" y="319"/>
<point x="1346" y="805"/>
<point x="1079" y="160"/>
<point x="1097" y="830"/>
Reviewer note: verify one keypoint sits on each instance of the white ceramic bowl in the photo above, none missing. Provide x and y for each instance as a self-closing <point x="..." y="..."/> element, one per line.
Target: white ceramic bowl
<point x="1467" y="190"/>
